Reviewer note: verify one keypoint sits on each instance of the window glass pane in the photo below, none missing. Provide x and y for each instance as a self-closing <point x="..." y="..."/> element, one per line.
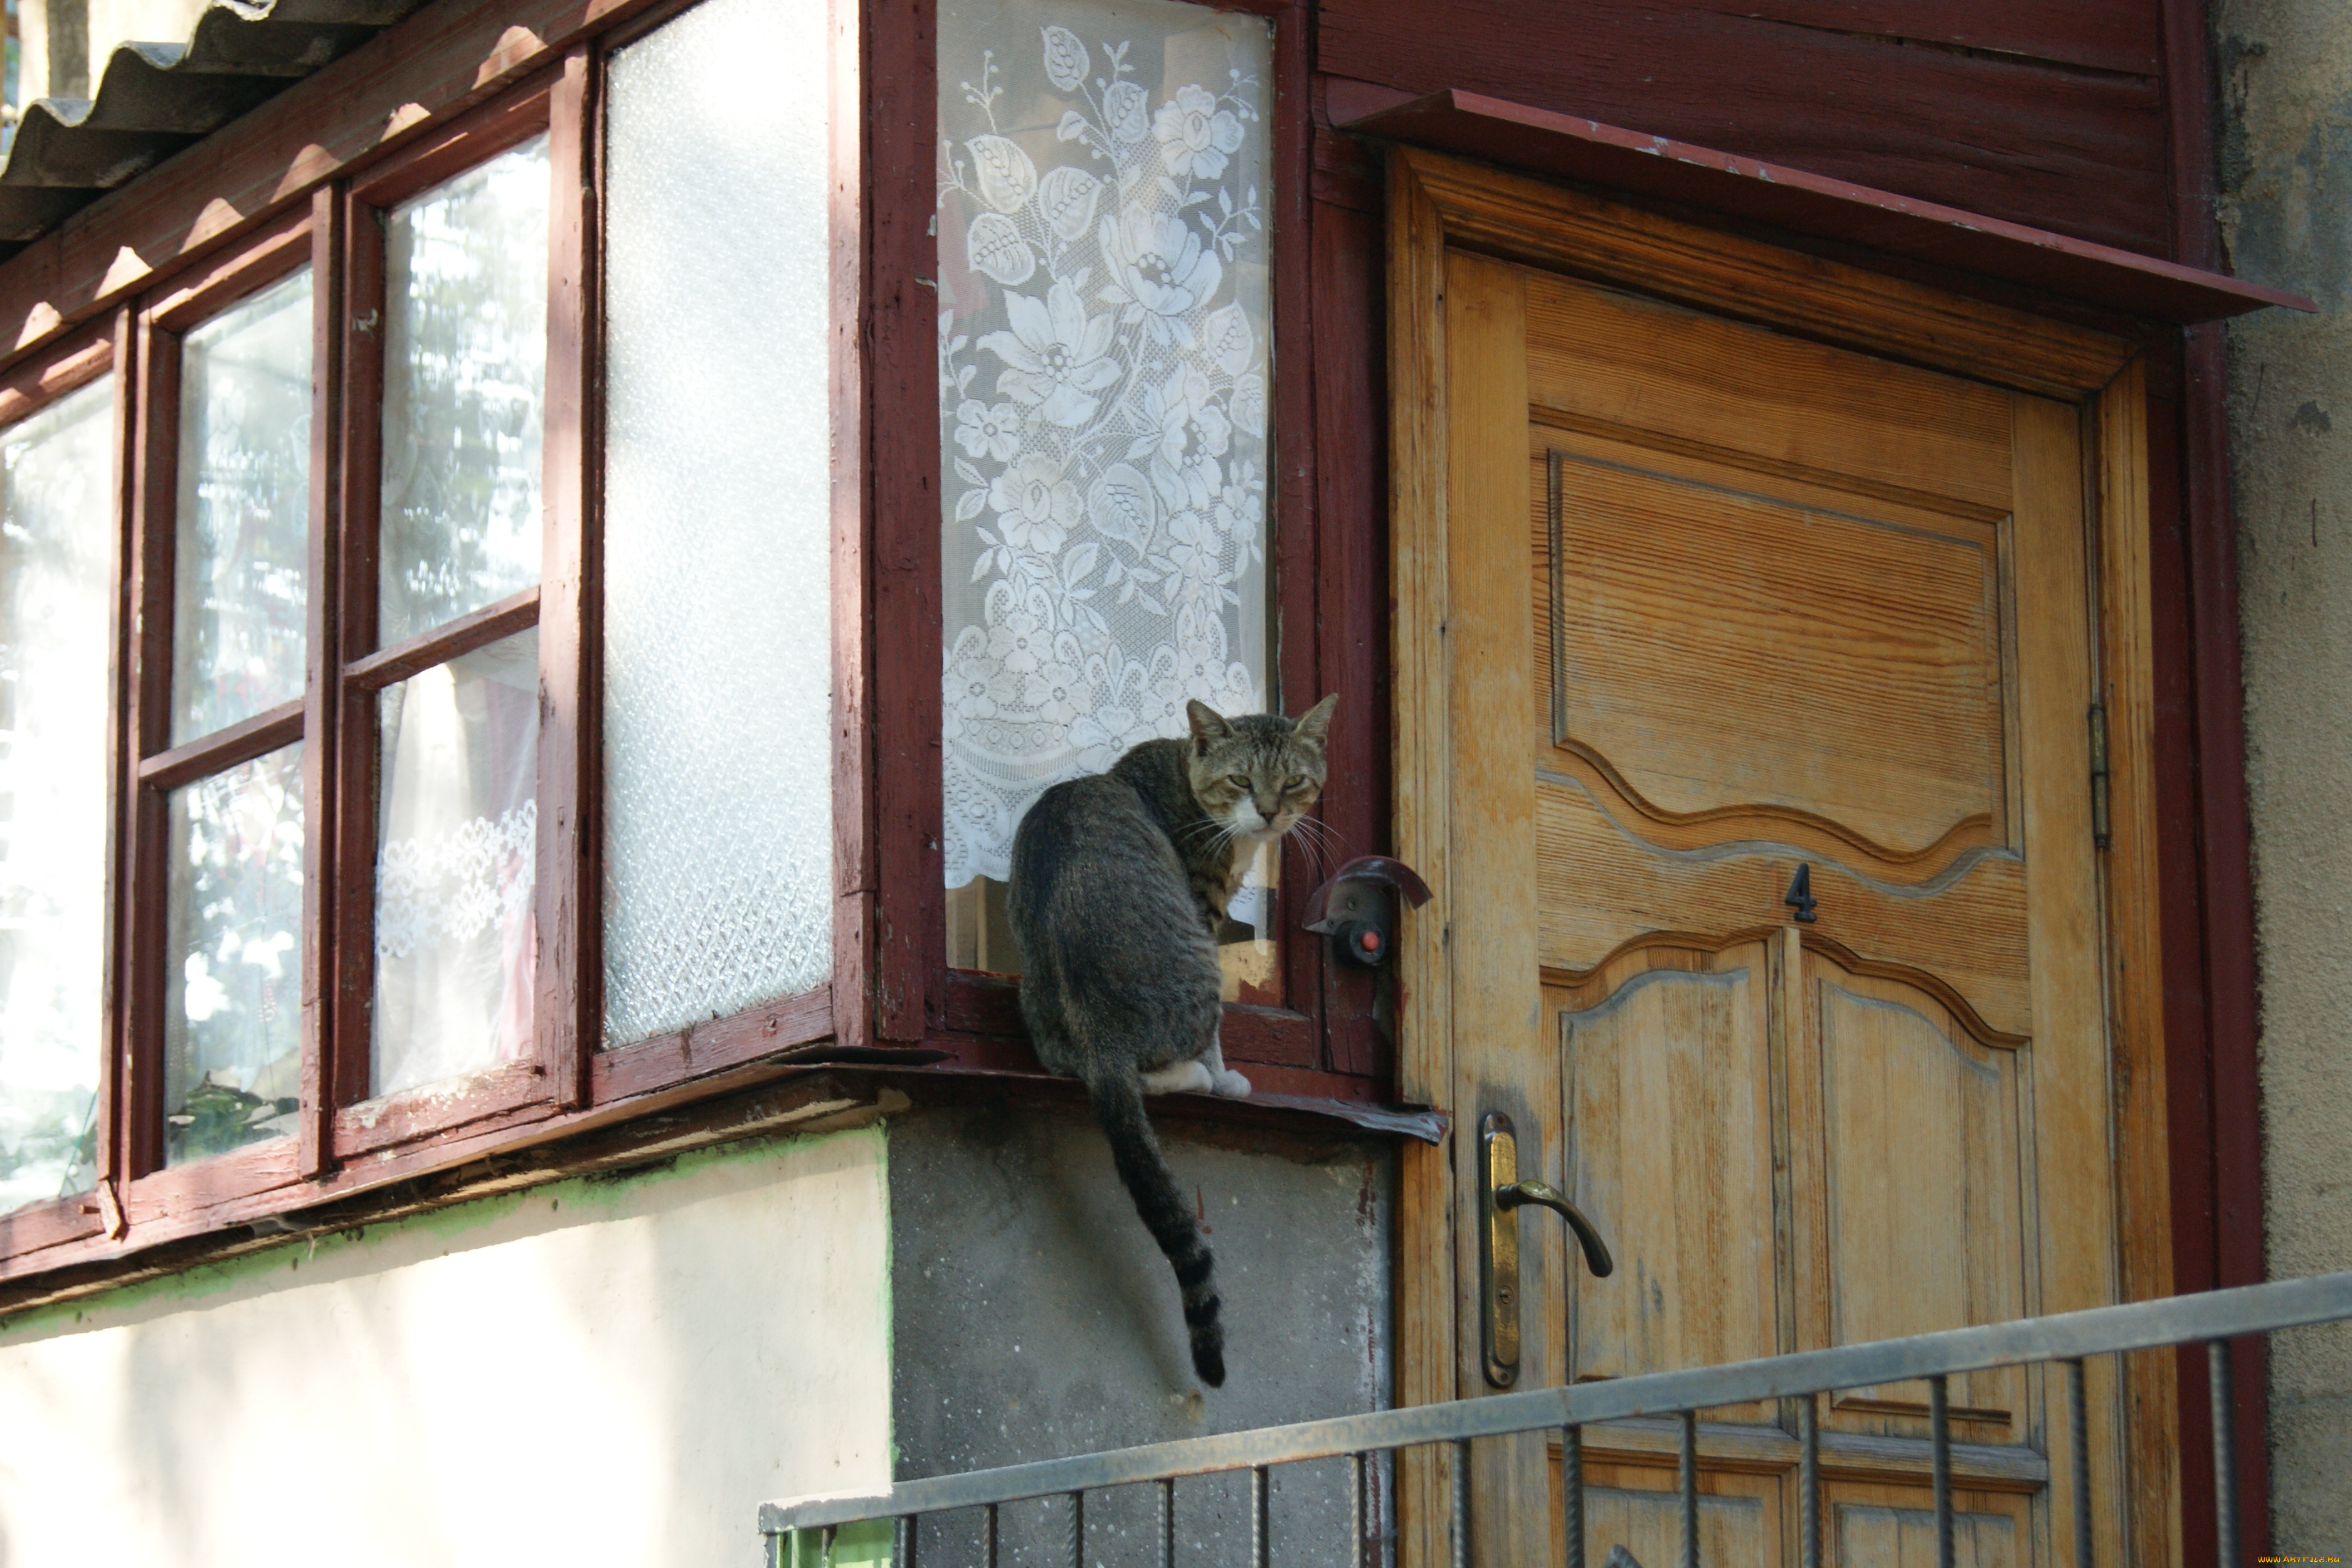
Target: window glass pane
<point x="456" y="856"/>
<point x="717" y="630"/>
<point x="1102" y="370"/>
<point x="232" y="1027"/>
<point x="465" y="349"/>
<point x="57" y="565"/>
<point x="244" y="573"/>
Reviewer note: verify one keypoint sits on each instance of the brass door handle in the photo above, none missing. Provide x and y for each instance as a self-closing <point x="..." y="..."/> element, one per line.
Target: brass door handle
<point x="1500" y="1194"/>
<point x="1596" y="1251"/>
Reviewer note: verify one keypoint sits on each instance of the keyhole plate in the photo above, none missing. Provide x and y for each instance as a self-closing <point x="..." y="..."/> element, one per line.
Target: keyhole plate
<point x="1498" y="1248"/>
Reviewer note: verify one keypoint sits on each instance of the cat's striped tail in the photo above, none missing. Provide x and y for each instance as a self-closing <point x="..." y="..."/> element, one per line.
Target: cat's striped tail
<point x="1117" y="1094"/>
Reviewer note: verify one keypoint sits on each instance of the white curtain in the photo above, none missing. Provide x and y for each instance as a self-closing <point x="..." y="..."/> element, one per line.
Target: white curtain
<point x="456" y="864"/>
<point x="1104" y="184"/>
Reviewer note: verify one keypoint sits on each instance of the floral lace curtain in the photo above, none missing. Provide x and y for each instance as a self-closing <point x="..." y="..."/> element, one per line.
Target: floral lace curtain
<point x="1103" y="178"/>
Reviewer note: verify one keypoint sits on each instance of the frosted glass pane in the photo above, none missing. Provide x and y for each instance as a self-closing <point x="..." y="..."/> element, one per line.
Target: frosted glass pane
<point x="718" y="632"/>
<point x="456" y="859"/>
<point x="1103" y="341"/>
<point x="244" y="567"/>
<point x="465" y="323"/>
<point x="57" y="565"/>
<point x="233" y="1022"/>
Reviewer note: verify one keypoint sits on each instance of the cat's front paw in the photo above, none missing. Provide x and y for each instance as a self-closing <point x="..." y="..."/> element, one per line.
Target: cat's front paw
<point x="1232" y="1084"/>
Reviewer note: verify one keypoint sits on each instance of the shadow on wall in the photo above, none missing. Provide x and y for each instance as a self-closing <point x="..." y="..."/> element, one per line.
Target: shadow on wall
<point x="611" y="1371"/>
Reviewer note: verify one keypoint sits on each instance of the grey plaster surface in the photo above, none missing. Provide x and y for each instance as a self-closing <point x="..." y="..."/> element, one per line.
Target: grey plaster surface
<point x="2285" y="71"/>
<point x="1032" y="1318"/>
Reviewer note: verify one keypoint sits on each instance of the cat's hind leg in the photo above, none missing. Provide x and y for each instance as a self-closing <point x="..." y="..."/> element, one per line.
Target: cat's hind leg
<point x="1221" y="1080"/>
<point x="1184" y="1078"/>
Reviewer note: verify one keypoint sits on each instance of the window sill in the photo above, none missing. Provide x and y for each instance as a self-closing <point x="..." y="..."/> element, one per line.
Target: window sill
<point x="427" y="1132"/>
<point x="1276" y="1049"/>
<point x="758" y="1101"/>
<point x="1280" y="1098"/>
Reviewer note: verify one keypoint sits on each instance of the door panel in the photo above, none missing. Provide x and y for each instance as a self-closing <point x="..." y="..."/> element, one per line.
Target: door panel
<point x="1880" y="1527"/>
<point x="1728" y="605"/>
<point x="1862" y="651"/>
<point x="1926" y="1168"/>
<point x="1666" y="1082"/>
<point x="1635" y="1509"/>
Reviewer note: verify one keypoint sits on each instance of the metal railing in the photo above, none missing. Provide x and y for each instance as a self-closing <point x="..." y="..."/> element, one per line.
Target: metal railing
<point x="2214" y="1317"/>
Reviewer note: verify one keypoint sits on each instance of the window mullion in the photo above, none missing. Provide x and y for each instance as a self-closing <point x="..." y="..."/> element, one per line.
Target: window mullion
<point x="113" y="1163"/>
<point x="353" y="937"/>
<point x="138" y="1109"/>
<point x="566" y="1009"/>
<point x="321" y="685"/>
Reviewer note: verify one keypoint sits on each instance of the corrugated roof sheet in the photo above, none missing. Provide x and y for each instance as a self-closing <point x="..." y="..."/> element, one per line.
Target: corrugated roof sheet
<point x="156" y="98"/>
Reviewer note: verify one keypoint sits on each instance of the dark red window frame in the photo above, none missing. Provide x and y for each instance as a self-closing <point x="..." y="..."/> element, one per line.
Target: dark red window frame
<point x="348" y="1143"/>
<point x="310" y="169"/>
<point x="1322" y="1041"/>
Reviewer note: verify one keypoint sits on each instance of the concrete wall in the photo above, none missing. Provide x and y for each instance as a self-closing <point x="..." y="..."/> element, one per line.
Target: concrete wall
<point x="596" y="1373"/>
<point x="2285" y="70"/>
<point x="1034" y="1318"/>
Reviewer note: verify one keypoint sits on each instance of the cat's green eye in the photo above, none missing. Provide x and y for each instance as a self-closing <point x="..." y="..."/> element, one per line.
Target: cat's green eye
<point x="1239" y="781"/>
<point x="1296" y="781"/>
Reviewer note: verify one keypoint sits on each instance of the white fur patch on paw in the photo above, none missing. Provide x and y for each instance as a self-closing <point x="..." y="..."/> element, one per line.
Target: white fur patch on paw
<point x="1232" y="1084"/>
<point x="1184" y="1078"/>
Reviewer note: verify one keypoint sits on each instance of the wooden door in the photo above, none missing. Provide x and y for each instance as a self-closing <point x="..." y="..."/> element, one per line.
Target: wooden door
<point x="1723" y="605"/>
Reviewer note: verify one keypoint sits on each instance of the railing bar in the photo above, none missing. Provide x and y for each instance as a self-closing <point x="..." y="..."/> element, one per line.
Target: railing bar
<point x="1571" y="1492"/>
<point x="2098" y="1330"/>
<point x="1166" y="1525"/>
<point x="1809" y="1483"/>
<point x="2225" y="1455"/>
<point x="1077" y="1530"/>
<point x="903" y="1543"/>
<point x="2078" y="1437"/>
<point x="1939" y="1439"/>
<point x="1686" y="1482"/>
<point x="1261" y="1542"/>
<point x="988" y="1537"/>
<point x="1355" y="1491"/>
<point x="1462" y="1503"/>
<point x="825" y="1547"/>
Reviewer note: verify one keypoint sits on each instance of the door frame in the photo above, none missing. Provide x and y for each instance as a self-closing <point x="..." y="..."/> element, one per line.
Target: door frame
<point x="1438" y="203"/>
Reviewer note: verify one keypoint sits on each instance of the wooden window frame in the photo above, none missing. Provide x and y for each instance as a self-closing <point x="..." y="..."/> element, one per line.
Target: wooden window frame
<point x="101" y="347"/>
<point x="1319" y="1041"/>
<point x="347" y="1144"/>
<point x="157" y="766"/>
<point x="307" y="169"/>
<point x="351" y="1122"/>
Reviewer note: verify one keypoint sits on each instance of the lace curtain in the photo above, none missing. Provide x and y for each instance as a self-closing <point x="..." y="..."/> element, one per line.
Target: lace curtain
<point x="1103" y="177"/>
<point x="456" y="864"/>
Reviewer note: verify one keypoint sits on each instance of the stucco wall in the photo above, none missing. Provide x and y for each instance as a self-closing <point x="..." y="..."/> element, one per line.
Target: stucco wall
<point x="1034" y="1318"/>
<point x="2285" y="67"/>
<point x="597" y="1372"/>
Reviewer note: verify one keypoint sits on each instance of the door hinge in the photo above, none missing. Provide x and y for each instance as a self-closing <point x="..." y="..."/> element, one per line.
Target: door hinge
<point x="2098" y="775"/>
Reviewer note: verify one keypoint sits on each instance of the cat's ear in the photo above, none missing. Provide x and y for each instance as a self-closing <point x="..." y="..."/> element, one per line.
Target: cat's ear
<point x="1208" y="724"/>
<point x="1316" y="723"/>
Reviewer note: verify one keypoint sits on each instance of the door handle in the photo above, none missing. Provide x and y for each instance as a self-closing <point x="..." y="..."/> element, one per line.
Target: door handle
<point x="1501" y="1194"/>
<point x="1596" y="1251"/>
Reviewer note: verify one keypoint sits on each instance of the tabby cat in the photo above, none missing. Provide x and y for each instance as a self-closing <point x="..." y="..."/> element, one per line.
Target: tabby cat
<point x="1120" y="882"/>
